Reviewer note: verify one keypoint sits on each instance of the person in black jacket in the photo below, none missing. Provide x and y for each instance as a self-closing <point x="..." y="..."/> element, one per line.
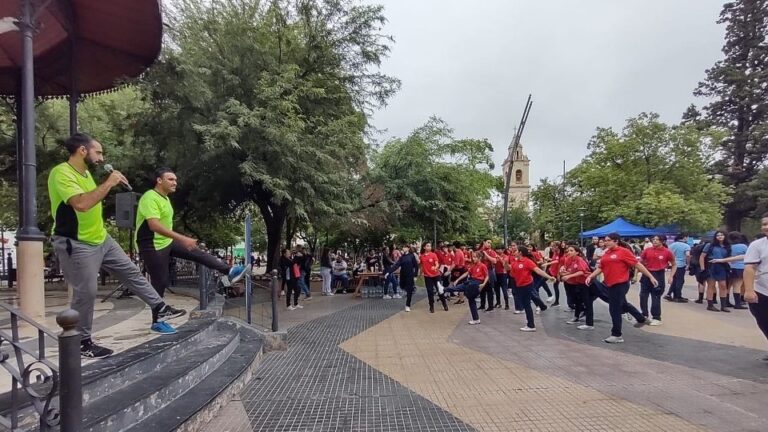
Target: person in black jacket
<point x="289" y="271"/>
<point x="408" y="264"/>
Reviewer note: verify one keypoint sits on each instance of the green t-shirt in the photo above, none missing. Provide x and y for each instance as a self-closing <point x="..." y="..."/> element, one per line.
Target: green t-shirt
<point x="153" y="205"/>
<point x="64" y="182"/>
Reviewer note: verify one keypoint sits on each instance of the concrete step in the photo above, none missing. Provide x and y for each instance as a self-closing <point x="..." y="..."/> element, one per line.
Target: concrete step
<point x="147" y="393"/>
<point x="191" y="411"/>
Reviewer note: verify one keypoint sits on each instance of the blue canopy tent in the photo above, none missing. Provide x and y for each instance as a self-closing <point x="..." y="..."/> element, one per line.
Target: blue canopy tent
<point x="621" y="226"/>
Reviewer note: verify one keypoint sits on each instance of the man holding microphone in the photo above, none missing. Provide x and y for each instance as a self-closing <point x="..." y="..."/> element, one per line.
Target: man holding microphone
<point x="83" y="246"/>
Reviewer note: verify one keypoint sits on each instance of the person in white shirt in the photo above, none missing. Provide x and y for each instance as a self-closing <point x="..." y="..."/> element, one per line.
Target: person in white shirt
<point x="756" y="279"/>
<point x="339" y="273"/>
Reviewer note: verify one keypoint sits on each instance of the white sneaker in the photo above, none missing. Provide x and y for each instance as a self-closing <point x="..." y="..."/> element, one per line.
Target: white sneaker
<point x="527" y="329"/>
<point x="387" y="296"/>
<point x="550" y="299"/>
<point x="299" y="306"/>
<point x="585" y="327"/>
<point x="572" y="321"/>
<point x="474" y="322"/>
<point x="331" y="294"/>
<point x="517" y="312"/>
<point x="655" y="322"/>
<point x="538" y="310"/>
<point x="407" y="308"/>
<point x="614" y="339"/>
<point x="291" y="308"/>
<point x="397" y="296"/>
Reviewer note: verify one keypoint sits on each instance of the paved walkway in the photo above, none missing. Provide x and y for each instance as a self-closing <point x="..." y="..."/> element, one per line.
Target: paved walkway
<point x="365" y="365"/>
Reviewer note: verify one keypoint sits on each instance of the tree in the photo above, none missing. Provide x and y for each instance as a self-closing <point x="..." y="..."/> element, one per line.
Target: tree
<point x="651" y="173"/>
<point x="267" y="104"/>
<point x="737" y="84"/>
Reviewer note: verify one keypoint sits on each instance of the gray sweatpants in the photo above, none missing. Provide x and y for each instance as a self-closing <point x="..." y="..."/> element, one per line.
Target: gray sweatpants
<point x="80" y="264"/>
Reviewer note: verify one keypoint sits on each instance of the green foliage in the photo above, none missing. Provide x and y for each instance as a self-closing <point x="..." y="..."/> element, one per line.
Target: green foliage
<point x="736" y="87"/>
<point x="651" y="173"/>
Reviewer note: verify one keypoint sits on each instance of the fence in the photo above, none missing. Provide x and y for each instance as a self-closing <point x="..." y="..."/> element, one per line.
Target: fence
<point x="35" y="379"/>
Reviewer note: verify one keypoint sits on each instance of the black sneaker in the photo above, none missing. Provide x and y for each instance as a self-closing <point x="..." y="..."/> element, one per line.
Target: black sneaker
<point x="668" y="298"/>
<point x="169" y="312"/>
<point x="88" y="349"/>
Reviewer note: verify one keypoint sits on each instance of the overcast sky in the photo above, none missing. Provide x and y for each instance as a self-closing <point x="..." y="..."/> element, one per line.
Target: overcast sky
<point x="588" y="63"/>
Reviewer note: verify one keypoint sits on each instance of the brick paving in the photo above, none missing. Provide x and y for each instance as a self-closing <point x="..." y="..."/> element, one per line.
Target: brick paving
<point x="367" y="366"/>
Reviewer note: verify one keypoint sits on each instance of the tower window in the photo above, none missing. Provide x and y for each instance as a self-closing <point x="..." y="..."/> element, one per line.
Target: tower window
<point x="519" y="176"/>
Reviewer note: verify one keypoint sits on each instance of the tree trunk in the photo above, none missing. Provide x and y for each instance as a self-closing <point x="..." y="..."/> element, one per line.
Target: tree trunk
<point x="274" y="219"/>
<point x="733" y="217"/>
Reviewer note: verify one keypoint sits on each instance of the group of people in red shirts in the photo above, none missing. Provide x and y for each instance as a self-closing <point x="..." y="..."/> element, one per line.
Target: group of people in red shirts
<point x="487" y="273"/>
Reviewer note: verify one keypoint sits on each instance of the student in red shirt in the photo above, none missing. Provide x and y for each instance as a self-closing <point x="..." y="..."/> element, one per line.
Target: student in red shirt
<point x="511" y="258"/>
<point x="522" y="270"/>
<point x="615" y="265"/>
<point x="538" y="282"/>
<point x="430" y="267"/>
<point x="573" y="273"/>
<point x="501" y="268"/>
<point x="477" y="281"/>
<point x="490" y="257"/>
<point x="446" y="264"/>
<point x="656" y="259"/>
<point x="459" y="265"/>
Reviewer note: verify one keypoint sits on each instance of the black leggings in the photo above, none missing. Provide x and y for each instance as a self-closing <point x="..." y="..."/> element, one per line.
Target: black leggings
<point x="156" y="263"/>
<point x="293" y="286"/>
<point x="431" y="284"/>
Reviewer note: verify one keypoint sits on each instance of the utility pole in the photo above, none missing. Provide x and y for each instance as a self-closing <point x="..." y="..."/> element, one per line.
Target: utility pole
<point x="508" y="177"/>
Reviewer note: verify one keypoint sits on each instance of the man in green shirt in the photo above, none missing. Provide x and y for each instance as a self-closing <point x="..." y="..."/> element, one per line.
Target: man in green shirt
<point x="158" y="242"/>
<point x="83" y="246"/>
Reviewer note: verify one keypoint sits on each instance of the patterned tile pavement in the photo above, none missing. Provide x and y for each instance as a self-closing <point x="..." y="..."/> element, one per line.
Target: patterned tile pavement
<point x="366" y="365"/>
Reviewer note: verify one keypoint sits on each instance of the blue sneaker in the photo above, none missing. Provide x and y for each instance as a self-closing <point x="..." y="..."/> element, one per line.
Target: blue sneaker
<point x="237" y="272"/>
<point x="162" y="328"/>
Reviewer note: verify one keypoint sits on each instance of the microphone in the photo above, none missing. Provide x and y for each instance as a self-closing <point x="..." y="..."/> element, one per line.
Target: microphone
<point x="108" y="168"/>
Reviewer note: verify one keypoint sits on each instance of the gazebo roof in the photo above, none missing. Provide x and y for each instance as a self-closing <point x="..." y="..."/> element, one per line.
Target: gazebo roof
<point x="113" y="40"/>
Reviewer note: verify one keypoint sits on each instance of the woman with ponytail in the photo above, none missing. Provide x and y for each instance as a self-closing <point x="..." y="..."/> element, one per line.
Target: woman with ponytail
<point x="522" y="270"/>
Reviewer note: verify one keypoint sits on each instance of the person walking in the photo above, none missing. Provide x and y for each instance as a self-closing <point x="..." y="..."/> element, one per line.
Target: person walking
<point x="430" y="268"/>
<point x="408" y="265"/>
<point x="615" y="265"/>
<point x="682" y="252"/>
<point x="291" y="273"/>
<point x="325" y="271"/>
<point x="574" y="272"/>
<point x="756" y="279"/>
<point x="656" y="259"/>
<point x="477" y="281"/>
<point x="83" y="246"/>
<point x="522" y="270"/>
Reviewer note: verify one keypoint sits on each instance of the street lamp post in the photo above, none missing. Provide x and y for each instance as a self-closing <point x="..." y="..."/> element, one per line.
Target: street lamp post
<point x="581" y="226"/>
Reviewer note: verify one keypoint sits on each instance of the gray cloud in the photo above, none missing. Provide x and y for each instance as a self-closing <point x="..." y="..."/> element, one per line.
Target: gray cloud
<point x="588" y="63"/>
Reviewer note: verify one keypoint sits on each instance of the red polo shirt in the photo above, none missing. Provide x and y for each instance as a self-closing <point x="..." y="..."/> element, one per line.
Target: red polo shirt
<point x="574" y="265"/>
<point x="458" y="259"/>
<point x="478" y="272"/>
<point x="440" y="256"/>
<point x="656" y="258"/>
<point x="492" y="253"/>
<point x="615" y="264"/>
<point x="521" y="272"/>
<point x="428" y="261"/>
<point x="499" y="266"/>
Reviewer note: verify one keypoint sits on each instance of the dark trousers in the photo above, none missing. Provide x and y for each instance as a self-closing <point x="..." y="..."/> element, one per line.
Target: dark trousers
<point x="343" y="278"/>
<point x="501" y="288"/>
<point x="647" y="289"/>
<point x="759" y="310"/>
<point x="525" y="295"/>
<point x="487" y="293"/>
<point x="431" y="284"/>
<point x="515" y="296"/>
<point x="156" y="263"/>
<point x="471" y="290"/>
<point x="293" y="288"/>
<point x="617" y="305"/>
<point x="676" y="287"/>
<point x="582" y="298"/>
<point x="540" y="282"/>
<point x="570" y="296"/>
<point x="406" y="284"/>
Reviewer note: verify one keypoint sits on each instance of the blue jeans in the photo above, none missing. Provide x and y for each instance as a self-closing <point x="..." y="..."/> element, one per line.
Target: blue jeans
<point x="344" y="281"/>
<point x="302" y="282"/>
<point x="391" y="280"/>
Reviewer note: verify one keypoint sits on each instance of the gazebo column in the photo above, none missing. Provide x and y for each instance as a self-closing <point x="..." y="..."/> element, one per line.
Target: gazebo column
<point x="30" y="238"/>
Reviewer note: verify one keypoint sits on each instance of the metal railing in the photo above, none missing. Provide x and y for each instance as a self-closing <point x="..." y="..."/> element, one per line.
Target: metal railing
<point x="37" y="377"/>
<point x="209" y="286"/>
